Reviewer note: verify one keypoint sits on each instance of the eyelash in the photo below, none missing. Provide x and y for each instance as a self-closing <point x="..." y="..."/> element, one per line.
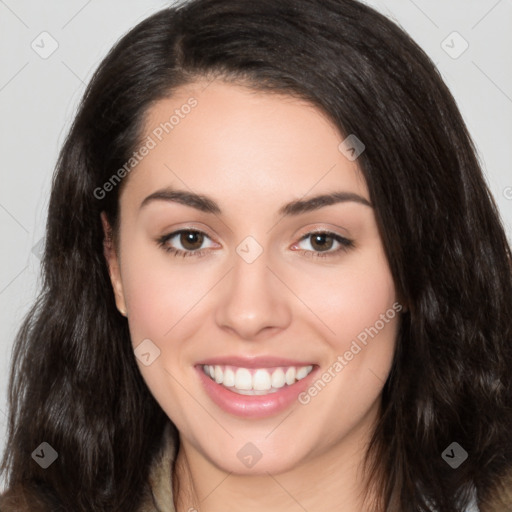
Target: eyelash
<point x="345" y="244"/>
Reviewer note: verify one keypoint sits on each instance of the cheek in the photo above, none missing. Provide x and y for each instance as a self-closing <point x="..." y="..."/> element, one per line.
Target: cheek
<point x="158" y="292"/>
<point x="351" y="297"/>
<point x="160" y="298"/>
<point x="365" y="302"/>
<point x="347" y="298"/>
<point x="361" y="315"/>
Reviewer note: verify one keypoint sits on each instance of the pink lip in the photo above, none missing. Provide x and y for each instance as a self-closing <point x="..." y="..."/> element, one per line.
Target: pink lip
<point x="254" y="362"/>
<point x="254" y="406"/>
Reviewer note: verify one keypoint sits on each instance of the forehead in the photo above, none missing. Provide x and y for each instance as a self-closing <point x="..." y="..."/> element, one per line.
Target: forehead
<point x="234" y="142"/>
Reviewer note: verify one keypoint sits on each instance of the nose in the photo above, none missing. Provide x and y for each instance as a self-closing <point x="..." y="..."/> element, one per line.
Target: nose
<point x="253" y="303"/>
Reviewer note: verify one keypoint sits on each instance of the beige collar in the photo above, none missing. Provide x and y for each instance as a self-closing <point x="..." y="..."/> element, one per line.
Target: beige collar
<point x="158" y="496"/>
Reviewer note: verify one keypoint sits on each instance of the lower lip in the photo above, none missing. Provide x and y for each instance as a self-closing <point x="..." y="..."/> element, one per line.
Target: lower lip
<point x="253" y="406"/>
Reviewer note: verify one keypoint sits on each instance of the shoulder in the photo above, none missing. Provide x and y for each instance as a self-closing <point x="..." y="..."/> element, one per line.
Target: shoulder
<point x="501" y="499"/>
<point x="157" y="495"/>
<point x="11" y="501"/>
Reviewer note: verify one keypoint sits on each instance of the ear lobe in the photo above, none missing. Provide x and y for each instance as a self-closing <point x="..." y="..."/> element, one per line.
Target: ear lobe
<point x="113" y="264"/>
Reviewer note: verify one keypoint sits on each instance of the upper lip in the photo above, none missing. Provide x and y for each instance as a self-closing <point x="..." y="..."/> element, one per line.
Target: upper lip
<point x="253" y="362"/>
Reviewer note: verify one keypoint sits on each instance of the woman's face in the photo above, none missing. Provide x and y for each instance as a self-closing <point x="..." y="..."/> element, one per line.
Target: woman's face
<point x="308" y="320"/>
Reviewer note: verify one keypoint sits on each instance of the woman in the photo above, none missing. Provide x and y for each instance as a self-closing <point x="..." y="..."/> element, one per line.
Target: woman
<point x="336" y="331"/>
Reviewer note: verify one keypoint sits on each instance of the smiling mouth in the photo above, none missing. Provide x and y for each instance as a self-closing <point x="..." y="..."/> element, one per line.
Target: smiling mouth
<point x="256" y="381"/>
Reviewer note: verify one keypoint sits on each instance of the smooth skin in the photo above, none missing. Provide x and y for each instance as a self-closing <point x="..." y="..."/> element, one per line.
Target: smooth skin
<point x="252" y="152"/>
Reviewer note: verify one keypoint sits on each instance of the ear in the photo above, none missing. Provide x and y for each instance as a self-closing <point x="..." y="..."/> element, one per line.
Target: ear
<point x="113" y="264"/>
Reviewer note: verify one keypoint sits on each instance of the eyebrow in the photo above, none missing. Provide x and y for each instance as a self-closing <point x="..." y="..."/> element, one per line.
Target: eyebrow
<point x="297" y="207"/>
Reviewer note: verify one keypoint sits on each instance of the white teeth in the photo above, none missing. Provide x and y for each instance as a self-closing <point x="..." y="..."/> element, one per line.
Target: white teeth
<point x="229" y="378"/>
<point x="251" y="391"/>
<point x="243" y="379"/>
<point x="289" y="376"/>
<point x="278" y="379"/>
<point x="218" y="375"/>
<point x="261" y="381"/>
<point x="302" y="372"/>
<point x="258" y="381"/>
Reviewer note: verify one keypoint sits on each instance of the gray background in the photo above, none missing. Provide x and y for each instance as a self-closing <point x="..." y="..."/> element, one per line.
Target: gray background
<point x="38" y="98"/>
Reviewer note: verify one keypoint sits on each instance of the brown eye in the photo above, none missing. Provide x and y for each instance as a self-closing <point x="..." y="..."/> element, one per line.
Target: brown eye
<point x="324" y="244"/>
<point x="321" y="241"/>
<point x="191" y="240"/>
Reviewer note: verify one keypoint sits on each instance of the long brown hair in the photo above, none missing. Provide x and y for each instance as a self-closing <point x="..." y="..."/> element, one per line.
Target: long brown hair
<point x="74" y="382"/>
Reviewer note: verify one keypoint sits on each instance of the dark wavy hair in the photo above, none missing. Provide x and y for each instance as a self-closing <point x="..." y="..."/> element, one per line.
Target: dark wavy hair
<point x="74" y="382"/>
